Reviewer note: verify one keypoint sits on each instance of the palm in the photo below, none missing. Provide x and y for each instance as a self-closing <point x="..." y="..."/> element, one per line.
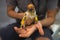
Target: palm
<point x="25" y="32"/>
<point x="28" y="32"/>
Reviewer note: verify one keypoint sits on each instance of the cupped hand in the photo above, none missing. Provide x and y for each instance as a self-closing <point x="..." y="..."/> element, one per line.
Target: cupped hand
<point x="25" y="33"/>
<point x="19" y="30"/>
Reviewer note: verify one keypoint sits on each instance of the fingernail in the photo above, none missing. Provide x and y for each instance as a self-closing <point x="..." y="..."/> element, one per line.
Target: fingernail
<point x="15" y="27"/>
<point x="20" y="35"/>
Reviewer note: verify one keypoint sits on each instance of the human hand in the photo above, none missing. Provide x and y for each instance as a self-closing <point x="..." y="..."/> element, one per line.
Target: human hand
<point x="19" y="30"/>
<point x="25" y="33"/>
<point x="39" y="27"/>
<point x="30" y="30"/>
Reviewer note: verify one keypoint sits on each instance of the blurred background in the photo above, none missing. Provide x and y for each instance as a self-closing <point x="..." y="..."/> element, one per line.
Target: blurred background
<point x="5" y="20"/>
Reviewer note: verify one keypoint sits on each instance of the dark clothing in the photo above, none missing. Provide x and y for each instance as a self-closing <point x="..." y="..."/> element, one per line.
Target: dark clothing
<point x="8" y="33"/>
<point x="59" y="3"/>
<point x="41" y="7"/>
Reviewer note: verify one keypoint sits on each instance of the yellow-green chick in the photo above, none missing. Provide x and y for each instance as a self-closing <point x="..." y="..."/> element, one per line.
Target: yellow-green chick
<point x="30" y="13"/>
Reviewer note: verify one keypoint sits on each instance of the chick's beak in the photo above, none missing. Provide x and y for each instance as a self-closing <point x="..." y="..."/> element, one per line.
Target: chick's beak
<point x="30" y="9"/>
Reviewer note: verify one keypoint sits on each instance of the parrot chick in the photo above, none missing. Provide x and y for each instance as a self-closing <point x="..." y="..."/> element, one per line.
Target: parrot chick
<point x="31" y="14"/>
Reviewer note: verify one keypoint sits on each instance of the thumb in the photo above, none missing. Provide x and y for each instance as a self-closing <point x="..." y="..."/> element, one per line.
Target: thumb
<point x="17" y="29"/>
<point x="40" y="29"/>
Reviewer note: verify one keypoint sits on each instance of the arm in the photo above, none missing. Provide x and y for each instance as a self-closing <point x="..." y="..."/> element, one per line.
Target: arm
<point x="11" y="5"/>
<point x="51" y="13"/>
<point x="13" y="14"/>
<point x="47" y="21"/>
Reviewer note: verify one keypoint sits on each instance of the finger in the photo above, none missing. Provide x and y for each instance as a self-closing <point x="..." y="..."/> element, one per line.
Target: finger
<point x="39" y="26"/>
<point x="17" y="30"/>
<point x="41" y="30"/>
<point x="24" y="35"/>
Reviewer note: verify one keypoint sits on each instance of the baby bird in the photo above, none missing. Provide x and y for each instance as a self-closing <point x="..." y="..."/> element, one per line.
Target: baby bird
<point x="31" y="13"/>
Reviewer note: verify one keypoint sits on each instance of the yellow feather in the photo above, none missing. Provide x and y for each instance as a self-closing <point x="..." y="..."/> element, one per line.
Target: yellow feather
<point x="36" y="19"/>
<point x="22" y="22"/>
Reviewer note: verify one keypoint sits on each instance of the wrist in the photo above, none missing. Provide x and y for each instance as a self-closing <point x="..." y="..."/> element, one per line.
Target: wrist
<point x="34" y="26"/>
<point x="39" y="24"/>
